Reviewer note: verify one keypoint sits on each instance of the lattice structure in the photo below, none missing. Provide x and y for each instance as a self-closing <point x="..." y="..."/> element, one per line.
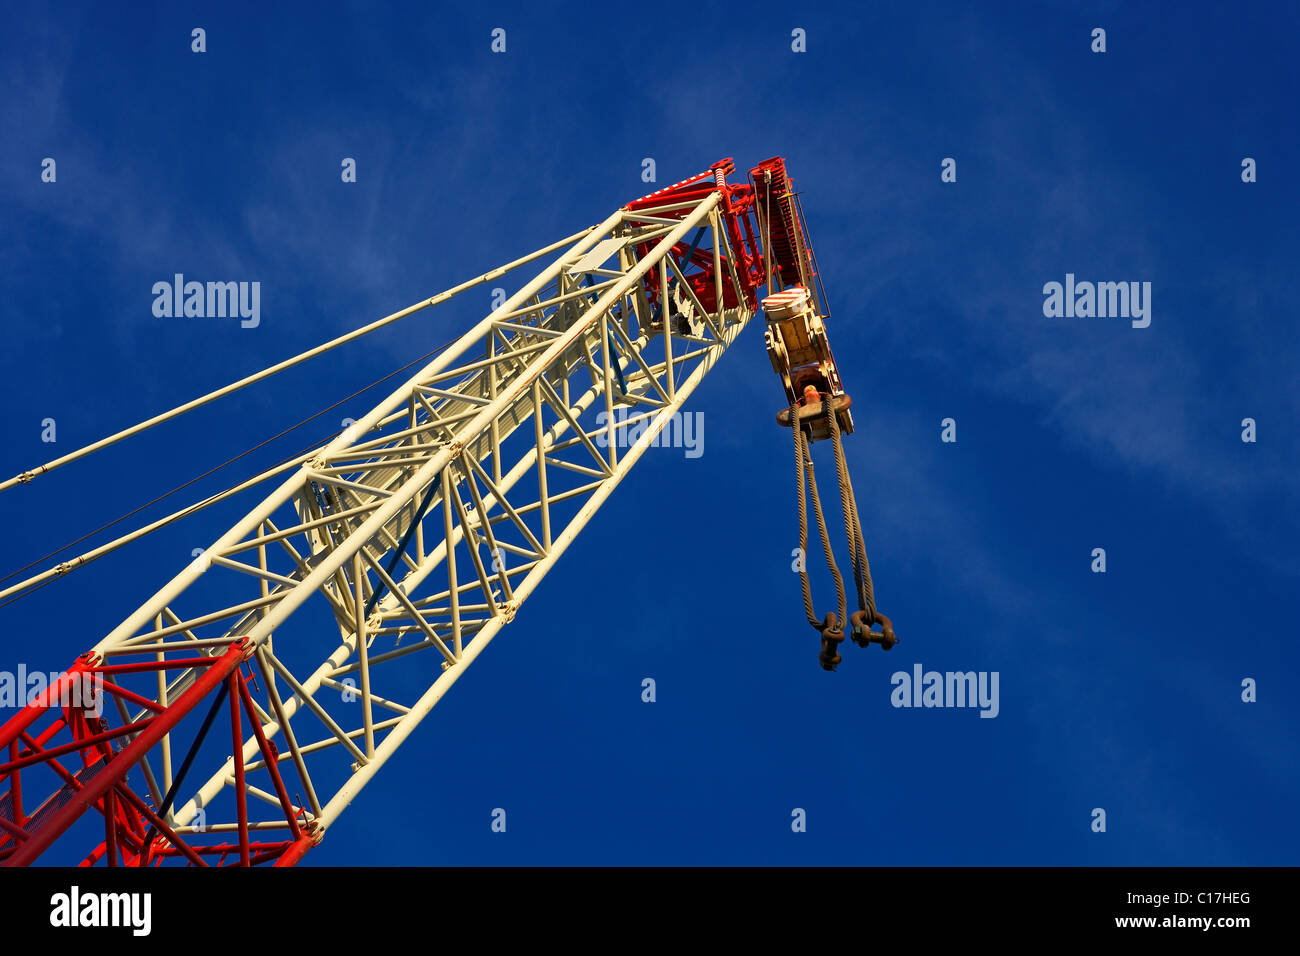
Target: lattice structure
<point x="420" y="531"/>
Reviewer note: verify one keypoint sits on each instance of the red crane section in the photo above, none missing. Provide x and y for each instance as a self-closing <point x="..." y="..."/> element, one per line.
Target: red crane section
<point x="787" y="238"/>
<point x="698" y="269"/>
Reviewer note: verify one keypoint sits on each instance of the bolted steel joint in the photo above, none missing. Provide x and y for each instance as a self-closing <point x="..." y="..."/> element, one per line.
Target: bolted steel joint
<point x="864" y="636"/>
<point x="832" y="636"/>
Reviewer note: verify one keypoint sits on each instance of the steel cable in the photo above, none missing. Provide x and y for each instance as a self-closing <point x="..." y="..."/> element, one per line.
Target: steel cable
<point x="852" y="523"/>
<point x="200" y="505"/>
<point x="804" y="474"/>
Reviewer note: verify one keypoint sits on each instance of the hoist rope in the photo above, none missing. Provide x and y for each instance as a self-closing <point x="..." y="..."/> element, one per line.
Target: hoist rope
<point x="804" y="475"/>
<point x="852" y="524"/>
<point x="833" y="626"/>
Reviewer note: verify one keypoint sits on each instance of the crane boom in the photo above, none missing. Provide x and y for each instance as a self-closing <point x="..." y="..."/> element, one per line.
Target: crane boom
<point x="421" y="529"/>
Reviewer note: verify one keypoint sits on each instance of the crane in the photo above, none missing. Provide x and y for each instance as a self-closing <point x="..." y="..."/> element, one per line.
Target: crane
<point x="206" y="730"/>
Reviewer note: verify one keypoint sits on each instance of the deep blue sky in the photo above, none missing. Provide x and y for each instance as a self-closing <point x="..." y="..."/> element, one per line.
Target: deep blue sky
<point x="1119" y="691"/>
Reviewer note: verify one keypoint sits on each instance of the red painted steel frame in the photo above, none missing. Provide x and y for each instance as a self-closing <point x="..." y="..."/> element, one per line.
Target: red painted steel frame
<point x="134" y="832"/>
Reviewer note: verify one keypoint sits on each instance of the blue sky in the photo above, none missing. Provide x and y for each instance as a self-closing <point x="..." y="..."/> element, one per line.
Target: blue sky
<point x="1119" y="690"/>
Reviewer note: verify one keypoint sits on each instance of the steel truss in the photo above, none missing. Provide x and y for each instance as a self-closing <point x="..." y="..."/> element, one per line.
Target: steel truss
<point x="421" y="529"/>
